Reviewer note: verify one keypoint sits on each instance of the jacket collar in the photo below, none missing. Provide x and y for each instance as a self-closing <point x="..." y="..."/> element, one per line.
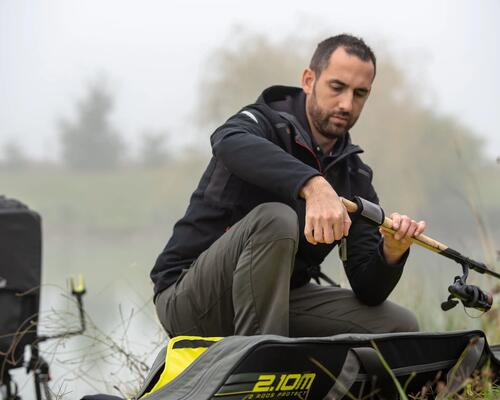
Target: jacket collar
<point x="303" y="139"/>
<point x="282" y="99"/>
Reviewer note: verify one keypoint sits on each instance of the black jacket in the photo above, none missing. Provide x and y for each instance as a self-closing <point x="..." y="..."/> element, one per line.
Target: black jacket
<point x="265" y="153"/>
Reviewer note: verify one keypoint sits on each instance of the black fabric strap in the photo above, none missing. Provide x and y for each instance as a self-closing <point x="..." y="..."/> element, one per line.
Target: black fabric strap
<point x="379" y="376"/>
<point x="326" y="278"/>
<point x="346" y="378"/>
<point x="314" y="272"/>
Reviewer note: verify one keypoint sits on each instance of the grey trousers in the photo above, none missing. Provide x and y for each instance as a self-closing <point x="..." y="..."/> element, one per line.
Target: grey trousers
<point x="241" y="286"/>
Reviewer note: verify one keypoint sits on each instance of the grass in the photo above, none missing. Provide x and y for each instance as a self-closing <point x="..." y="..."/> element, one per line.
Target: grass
<point x="480" y="386"/>
<point x="111" y="226"/>
<point x="126" y="199"/>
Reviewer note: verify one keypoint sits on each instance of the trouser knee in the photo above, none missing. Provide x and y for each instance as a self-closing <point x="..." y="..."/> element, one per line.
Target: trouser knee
<point x="405" y="321"/>
<point x="276" y="219"/>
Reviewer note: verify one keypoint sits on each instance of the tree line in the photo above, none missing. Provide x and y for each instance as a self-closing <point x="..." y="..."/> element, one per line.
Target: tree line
<point x="90" y="142"/>
<point x="395" y="126"/>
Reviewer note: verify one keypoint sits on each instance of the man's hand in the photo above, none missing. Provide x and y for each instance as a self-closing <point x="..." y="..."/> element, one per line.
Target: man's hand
<point x="327" y="219"/>
<point x="397" y="243"/>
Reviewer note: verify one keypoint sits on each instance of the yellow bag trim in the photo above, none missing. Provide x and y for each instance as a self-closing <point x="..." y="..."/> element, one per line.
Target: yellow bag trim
<point x="179" y="358"/>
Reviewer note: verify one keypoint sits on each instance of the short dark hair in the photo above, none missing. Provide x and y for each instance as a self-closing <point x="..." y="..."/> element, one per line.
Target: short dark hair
<point x="351" y="44"/>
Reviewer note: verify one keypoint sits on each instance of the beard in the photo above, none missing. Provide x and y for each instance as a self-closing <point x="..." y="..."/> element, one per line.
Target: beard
<point x="322" y="119"/>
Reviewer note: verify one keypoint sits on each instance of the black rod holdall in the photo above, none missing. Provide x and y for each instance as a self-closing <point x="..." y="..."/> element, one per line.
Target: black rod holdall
<point x="20" y="280"/>
<point x="369" y="366"/>
<point x="20" y="276"/>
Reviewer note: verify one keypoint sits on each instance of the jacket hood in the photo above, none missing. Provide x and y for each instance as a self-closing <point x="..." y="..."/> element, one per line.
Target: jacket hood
<point x="277" y="93"/>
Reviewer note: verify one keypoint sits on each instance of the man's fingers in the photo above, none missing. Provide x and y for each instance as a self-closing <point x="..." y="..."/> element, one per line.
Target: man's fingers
<point x="318" y="233"/>
<point x="338" y="230"/>
<point x="396" y="218"/>
<point x="328" y="234"/>
<point x="404" y="224"/>
<point x="412" y="228"/>
<point x="308" y="232"/>
<point x="347" y="223"/>
<point x="346" y="227"/>
<point x="327" y="220"/>
<point x="420" y="228"/>
<point x="405" y="227"/>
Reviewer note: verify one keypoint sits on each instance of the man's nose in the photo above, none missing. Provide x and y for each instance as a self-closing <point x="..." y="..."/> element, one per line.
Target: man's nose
<point x="346" y="101"/>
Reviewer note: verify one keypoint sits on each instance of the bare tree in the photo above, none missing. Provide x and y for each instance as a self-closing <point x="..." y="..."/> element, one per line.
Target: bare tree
<point x="236" y="74"/>
<point x="154" y="151"/>
<point x="14" y="155"/>
<point x="90" y="142"/>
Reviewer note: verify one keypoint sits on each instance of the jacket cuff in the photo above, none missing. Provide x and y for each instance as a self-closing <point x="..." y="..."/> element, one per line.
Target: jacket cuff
<point x="399" y="264"/>
<point x="302" y="182"/>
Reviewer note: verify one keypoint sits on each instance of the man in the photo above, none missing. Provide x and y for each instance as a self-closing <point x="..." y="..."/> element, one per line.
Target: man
<point x="268" y="210"/>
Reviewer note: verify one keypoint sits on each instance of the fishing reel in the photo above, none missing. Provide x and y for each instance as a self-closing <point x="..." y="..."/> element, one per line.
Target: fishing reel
<point x="471" y="296"/>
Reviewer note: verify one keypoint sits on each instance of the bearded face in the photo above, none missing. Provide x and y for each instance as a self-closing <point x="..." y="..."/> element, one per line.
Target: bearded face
<point x="336" y="95"/>
<point x="332" y="124"/>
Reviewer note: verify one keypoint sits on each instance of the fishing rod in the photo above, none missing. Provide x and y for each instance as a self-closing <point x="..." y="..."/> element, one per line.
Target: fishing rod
<point x="470" y="295"/>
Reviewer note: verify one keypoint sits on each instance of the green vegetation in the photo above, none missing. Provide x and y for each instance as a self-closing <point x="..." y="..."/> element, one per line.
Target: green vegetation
<point x="127" y="199"/>
<point x="103" y="224"/>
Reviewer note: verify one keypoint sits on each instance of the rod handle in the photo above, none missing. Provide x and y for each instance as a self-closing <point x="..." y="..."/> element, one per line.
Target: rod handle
<point x="421" y="240"/>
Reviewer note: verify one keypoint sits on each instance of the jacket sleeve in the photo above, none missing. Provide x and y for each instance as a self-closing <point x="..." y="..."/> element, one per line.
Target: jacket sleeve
<point x="250" y="149"/>
<point x="371" y="278"/>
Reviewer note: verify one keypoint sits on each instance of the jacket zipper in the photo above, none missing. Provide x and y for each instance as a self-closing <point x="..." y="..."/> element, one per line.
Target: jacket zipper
<point x="296" y="126"/>
<point x="318" y="162"/>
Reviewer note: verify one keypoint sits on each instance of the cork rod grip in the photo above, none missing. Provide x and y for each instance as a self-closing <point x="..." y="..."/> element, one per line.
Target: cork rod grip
<point x="421" y="240"/>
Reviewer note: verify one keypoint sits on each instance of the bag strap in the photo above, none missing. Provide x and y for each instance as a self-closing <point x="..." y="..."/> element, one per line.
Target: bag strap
<point x="346" y="378"/>
<point x="314" y="272"/>
<point x="467" y="363"/>
<point x="379" y="377"/>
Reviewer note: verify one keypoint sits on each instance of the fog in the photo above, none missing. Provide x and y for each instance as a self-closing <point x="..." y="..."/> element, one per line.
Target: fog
<point x="145" y="74"/>
<point x="153" y="55"/>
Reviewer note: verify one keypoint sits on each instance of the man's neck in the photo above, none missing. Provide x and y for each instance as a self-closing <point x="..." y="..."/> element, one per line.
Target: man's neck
<point x="323" y="142"/>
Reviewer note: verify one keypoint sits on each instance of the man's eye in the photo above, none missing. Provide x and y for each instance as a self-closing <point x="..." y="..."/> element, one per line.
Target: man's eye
<point x="337" y="88"/>
<point x="360" y="94"/>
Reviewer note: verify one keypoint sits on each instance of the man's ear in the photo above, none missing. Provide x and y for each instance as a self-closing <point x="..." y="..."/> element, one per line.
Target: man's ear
<point x="308" y="78"/>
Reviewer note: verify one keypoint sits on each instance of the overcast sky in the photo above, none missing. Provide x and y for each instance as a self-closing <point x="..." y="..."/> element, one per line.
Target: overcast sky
<point x="152" y="53"/>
